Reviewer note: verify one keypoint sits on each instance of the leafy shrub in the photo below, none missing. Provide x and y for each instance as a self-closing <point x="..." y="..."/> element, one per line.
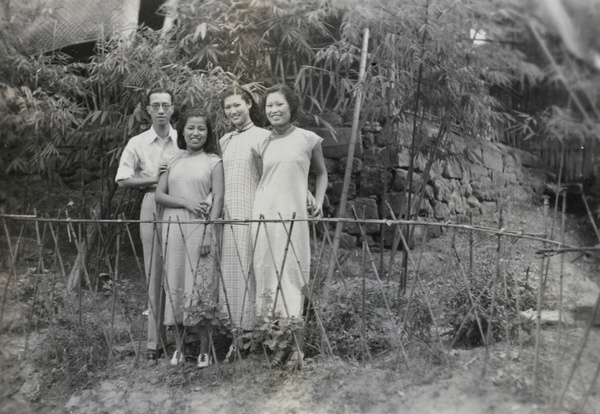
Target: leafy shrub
<point x="468" y="322"/>
<point x="343" y="318"/>
<point x="272" y="332"/>
<point x="207" y="310"/>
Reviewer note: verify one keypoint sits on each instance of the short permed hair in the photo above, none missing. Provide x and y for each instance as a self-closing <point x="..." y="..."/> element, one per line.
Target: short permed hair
<point x="290" y="96"/>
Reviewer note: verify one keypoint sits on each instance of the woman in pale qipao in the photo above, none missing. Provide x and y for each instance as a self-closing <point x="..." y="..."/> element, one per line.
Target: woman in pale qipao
<point x="286" y="157"/>
<point x="188" y="245"/>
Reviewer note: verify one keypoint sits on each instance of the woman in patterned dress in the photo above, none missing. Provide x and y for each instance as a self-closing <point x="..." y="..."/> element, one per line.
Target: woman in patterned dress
<point x="286" y="158"/>
<point x="242" y="174"/>
<point x="188" y="247"/>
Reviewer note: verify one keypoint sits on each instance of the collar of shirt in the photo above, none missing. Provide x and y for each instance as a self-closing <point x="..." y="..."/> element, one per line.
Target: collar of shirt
<point x="172" y="135"/>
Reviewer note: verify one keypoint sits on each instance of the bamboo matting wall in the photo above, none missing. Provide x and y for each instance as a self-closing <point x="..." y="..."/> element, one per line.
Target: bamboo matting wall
<point x="578" y="157"/>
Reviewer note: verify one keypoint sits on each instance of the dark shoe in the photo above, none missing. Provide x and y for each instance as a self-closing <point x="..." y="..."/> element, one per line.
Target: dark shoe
<point x="296" y="360"/>
<point x="154" y="354"/>
<point x="279" y="358"/>
<point x="191" y="351"/>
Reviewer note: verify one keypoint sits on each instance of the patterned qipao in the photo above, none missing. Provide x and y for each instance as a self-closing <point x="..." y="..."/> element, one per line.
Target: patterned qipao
<point x="242" y="175"/>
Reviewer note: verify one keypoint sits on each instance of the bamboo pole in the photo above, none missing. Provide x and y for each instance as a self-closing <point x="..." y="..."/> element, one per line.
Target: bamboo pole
<point x="579" y="352"/>
<point x="590" y="216"/>
<point x="591" y="390"/>
<point x="35" y="291"/>
<point x="380" y="284"/>
<point x="472" y="300"/>
<point x="538" y="327"/>
<point x="489" y="338"/>
<point x="349" y="160"/>
<point x="12" y="267"/>
<point x="139" y="265"/>
<point x="363" y="331"/>
<point x="560" y="294"/>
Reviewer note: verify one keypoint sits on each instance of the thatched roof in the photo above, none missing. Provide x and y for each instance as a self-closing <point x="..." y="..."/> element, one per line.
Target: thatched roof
<point x="61" y="23"/>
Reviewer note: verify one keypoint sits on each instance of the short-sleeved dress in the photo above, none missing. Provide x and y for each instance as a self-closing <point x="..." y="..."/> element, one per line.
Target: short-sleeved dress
<point x="187" y="274"/>
<point x="281" y="193"/>
<point x="242" y="175"/>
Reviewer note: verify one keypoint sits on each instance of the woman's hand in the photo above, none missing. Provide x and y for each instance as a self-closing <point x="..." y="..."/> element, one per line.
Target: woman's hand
<point x="314" y="209"/>
<point x="317" y="210"/>
<point x="163" y="167"/>
<point x="198" y="207"/>
<point x="206" y="240"/>
<point x="204" y="249"/>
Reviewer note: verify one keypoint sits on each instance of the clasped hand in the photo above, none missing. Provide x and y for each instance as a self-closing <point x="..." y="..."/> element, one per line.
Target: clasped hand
<point x="199" y="207"/>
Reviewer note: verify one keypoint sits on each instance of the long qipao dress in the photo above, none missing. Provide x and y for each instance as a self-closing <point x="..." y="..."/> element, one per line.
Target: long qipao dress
<point x="241" y="179"/>
<point x="187" y="274"/>
<point x="282" y="192"/>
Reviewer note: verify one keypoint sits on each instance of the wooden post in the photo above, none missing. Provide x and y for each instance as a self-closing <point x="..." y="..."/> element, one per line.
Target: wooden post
<point x="349" y="159"/>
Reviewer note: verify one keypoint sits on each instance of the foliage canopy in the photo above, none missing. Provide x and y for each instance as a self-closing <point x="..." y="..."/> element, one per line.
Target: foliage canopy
<point x="422" y="63"/>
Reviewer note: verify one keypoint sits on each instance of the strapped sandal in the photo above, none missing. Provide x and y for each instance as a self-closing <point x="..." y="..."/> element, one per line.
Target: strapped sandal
<point x="296" y="360"/>
<point x="204" y="361"/>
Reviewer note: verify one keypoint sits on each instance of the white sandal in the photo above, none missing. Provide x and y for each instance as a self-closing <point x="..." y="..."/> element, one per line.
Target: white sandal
<point x="177" y="358"/>
<point x="204" y="361"/>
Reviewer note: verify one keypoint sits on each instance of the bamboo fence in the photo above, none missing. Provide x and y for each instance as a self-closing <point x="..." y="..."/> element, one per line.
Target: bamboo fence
<point x="52" y="241"/>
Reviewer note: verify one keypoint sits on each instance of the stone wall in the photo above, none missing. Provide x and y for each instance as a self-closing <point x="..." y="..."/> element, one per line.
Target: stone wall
<point x="469" y="177"/>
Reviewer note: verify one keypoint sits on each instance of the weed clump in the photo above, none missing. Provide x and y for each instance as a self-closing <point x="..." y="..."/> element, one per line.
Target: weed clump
<point x="490" y="303"/>
<point x="362" y="321"/>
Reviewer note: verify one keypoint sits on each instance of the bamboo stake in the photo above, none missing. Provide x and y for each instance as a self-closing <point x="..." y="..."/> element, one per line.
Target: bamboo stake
<point x="579" y="351"/>
<point x="363" y="331"/>
<point x="407" y="307"/>
<point x="342" y="279"/>
<point x="112" y="319"/>
<point x="62" y="268"/>
<point x="312" y="304"/>
<point x="494" y="288"/>
<point x="165" y="279"/>
<point x="12" y="267"/>
<point x="36" y="289"/>
<point x="380" y="284"/>
<point x="471" y="241"/>
<point x="560" y="295"/>
<point x="279" y="274"/>
<point x="307" y="283"/>
<point x="590" y="216"/>
<point x="590" y="390"/>
<point x="449" y="263"/>
<point x="540" y="297"/>
<point x="429" y="308"/>
<point x="473" y="303"/>
<point x="349" y="160"/>
<point x="139" y="265"/>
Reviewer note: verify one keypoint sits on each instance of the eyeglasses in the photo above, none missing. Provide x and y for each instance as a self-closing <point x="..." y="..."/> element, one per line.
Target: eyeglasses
<point x="165" y="106"/>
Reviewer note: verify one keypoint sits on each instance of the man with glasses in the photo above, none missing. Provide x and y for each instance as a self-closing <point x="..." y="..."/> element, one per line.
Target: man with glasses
<point x="139" y="168"/>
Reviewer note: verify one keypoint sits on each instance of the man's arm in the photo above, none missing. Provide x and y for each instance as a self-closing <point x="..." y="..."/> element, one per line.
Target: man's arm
<point x="126" y="173"/>
<point x="138" y="182"/>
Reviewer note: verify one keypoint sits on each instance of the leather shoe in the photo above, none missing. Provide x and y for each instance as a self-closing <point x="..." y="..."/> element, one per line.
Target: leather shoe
<point x="154" y="354"/>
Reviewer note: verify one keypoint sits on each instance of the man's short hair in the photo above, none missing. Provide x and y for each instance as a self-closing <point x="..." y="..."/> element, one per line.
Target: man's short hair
<point x="159" y="90"/>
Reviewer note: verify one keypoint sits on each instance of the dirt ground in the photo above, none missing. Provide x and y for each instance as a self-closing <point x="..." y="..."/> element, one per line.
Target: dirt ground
<point x="332" y="385"/>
